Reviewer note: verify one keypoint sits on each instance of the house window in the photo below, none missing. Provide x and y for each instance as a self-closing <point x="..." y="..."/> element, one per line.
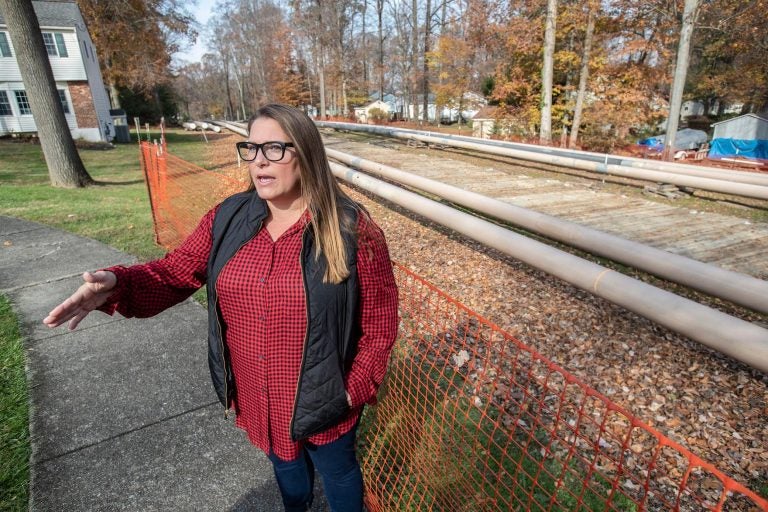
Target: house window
<point x="22" y="102"/>
<point x="54" y="44"/>
<point x="50" y="44"/>
<point x="5" y="48"/>
<point x="64" y="102"/>
<point x="5" y="104"/>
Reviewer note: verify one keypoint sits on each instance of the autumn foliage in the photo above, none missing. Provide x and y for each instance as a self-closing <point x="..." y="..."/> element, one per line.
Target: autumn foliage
<point x="614" y="59"/>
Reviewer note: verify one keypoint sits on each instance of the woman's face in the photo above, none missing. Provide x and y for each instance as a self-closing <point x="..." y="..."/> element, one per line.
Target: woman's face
<point x="278" y="183"/>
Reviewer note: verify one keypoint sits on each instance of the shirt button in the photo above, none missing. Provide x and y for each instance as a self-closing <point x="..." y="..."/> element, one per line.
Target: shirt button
<point x="261" y="279"/>
<point x="262" y="317"/>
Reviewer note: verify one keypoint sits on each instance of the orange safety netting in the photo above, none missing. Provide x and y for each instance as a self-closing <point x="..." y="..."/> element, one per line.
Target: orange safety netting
<point x="471" y="419"/>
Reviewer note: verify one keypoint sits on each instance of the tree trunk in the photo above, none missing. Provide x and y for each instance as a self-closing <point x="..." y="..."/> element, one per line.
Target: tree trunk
<point x="344" y="102"/>
<point x="230" y="107"/>
<point x="583" y="75"/>
<point x="65" y="168"/>
<point x="681" y="70"/>
<point x="545" y="129"/>
<point x="380" y="14"/>
<point x="425" y="78"/>
<point x="365" y="48"/>
<point x="114" y="96"/>
<point x="321" y="80"/>
<point x="414" y="55"/>
<point x="239" y="84"/>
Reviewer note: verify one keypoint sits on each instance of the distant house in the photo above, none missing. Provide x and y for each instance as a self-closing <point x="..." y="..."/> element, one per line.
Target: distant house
<point x="470" y="104"/>
<point x="363" y="114"/>
<point x="693" y="108"/>
<point x="745" y="136"/>
<point x="485" y="122"/>
<point x="75" y="69"/>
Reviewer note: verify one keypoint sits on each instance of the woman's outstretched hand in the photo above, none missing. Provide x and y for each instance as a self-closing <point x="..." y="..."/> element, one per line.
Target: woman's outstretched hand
<point x="93" y="293"/>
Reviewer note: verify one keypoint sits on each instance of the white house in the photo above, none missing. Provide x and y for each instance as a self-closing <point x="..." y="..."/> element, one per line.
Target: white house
<point x="363" y="114"/>
<point x="75" y="68"/>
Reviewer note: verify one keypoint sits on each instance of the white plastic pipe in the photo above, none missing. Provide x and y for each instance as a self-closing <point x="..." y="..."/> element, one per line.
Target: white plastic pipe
<point x="203" y="125"/>
<point x="734" y="337"/>
<point x="234" y="127"/>
<point x="733" y="286"/>
<point x="732" y="186"/>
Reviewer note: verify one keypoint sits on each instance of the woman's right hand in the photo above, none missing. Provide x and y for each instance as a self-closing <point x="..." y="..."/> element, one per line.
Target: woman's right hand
<point x="93" y="293"/>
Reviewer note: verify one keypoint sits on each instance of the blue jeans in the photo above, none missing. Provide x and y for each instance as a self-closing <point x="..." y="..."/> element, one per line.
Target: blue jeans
<point x="337" y="464"/>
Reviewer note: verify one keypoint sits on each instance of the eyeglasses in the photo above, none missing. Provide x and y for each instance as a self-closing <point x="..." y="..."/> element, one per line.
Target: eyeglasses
<point x="273" y="151"/>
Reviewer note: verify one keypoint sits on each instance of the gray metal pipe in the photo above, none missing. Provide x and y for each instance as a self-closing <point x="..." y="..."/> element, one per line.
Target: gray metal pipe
<point x="734" y="337"/>
<point x="628" y="161"/>
<point x="739" y="288"/>
<point x="733" y="286"/>
<point x="727" y="187"/>
<point x="690" y="170"/>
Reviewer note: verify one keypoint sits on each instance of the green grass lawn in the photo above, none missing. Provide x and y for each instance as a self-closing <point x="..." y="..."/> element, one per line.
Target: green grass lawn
<point x="116" y="212"/>
<point x="14" y="429"/>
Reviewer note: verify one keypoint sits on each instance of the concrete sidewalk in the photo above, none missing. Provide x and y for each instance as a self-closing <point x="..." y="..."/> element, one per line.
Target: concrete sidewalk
<point x="122" y="412"/>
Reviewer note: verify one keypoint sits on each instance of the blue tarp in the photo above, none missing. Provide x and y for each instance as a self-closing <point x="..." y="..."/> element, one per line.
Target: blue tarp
<point x="652" y="141"/>
<point x="753" y="149"/>
<point x="686" y="138"/>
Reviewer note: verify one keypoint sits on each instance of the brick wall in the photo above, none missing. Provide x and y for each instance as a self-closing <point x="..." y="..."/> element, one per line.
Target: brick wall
<point x="82" y="102"/>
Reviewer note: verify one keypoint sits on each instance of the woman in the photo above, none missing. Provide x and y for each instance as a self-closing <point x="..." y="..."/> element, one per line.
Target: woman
<point x="302" y="307"/>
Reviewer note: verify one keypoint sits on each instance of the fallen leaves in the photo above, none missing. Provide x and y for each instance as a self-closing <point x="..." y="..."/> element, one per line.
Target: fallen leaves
<point x="689" y="393"/>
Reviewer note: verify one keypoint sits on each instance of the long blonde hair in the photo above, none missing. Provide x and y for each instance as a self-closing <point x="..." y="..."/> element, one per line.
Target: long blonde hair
<point x="321" y="193"/>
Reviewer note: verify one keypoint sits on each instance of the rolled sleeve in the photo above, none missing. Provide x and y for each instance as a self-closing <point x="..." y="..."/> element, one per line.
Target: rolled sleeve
<point x="147" y="289"/>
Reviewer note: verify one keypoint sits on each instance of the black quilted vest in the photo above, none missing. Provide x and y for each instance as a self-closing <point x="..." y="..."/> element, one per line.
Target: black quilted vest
<point x="333" y="331"/>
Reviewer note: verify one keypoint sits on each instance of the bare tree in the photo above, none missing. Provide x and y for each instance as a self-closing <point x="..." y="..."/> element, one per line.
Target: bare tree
<point x="65" y="168"/>
<point x="681" y="70"/>
<point x="545" y="129"/>
<point x="583" y="74"/>
<point x="425" y="68"/>
<point x="380" y="24"/>
<point x="414" y="55"/>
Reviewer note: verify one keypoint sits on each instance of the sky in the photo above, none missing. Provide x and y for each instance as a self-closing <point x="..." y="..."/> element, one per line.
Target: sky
<point x="201" y="12"/>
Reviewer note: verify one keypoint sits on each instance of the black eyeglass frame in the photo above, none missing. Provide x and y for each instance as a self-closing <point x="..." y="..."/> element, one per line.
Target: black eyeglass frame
<point x="249" y="145"/>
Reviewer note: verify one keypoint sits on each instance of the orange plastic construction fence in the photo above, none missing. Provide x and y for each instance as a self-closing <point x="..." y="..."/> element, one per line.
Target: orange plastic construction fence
<point x="471" y="419"/>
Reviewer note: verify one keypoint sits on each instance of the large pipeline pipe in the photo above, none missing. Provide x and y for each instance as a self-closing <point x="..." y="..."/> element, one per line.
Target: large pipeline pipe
<point x="603" y="158"/>
<point x="703" y="183"/>
<point x="238" y="128"/>
<point x="734" y="337"/>
<point x="207" y="125"/>
<point x="627" y="161"/>
<point x="690" y="170"/>
<point x="739" y="288"/>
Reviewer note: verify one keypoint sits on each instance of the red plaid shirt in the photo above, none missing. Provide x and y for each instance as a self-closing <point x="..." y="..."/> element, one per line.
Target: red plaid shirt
<point x="262" y="302"/>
